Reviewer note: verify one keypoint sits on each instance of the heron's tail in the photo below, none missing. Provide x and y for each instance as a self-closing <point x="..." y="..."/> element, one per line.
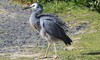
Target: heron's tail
<point x="67" y="41"/>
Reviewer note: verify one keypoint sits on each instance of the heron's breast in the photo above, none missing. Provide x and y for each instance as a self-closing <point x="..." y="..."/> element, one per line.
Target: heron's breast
<point x="34" y="24"/>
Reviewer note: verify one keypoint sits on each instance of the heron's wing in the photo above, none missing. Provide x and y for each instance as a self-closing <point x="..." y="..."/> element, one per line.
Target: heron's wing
<point x="54" y="30"/>
<point x="56" y="19"/>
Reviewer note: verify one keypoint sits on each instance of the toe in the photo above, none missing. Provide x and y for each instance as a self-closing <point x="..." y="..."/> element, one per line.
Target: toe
<point x="55" y="56"/>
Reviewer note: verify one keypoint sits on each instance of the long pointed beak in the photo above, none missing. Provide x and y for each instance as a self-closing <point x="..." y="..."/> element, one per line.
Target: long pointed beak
<point x="26" y="8"/>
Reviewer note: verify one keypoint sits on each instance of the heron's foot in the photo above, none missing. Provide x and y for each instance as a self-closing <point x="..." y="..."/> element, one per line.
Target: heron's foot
<point x="43" y="57"/>
<point x="55" y="56"/>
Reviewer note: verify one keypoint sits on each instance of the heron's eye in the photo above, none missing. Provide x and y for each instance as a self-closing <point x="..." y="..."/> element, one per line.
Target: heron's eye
<point x="33" y="5"/>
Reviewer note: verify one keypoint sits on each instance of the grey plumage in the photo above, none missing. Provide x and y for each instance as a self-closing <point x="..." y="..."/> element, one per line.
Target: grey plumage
<point x="50" y="26"/>
<point x="54" y="18"/>
<point x="54" y="30"/>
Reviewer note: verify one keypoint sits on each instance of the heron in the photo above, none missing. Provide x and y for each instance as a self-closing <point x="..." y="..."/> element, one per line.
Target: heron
<point x="49" y="26"/>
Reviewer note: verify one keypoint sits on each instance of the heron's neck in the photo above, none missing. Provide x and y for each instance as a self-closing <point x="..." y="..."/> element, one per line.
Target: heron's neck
<point x="36" y="13"/>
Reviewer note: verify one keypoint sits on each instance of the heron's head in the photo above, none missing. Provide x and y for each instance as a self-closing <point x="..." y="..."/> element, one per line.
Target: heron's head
<point x="33" y="6"/>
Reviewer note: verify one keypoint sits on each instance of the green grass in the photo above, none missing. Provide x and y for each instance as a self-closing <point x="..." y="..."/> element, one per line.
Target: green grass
<point x="88" y="46"/>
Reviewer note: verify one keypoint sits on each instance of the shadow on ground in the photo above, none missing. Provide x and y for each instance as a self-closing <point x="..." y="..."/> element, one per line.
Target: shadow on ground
<point x="92" y="53"/>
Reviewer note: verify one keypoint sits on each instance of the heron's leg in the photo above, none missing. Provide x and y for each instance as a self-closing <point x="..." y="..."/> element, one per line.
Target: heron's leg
<point x="47" y="49"/>
<point x="55" y="56"/>
<point x="55" y="48"/>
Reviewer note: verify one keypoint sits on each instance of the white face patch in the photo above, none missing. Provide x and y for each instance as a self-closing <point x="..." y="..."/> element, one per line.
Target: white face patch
<point x="34" y="6"/>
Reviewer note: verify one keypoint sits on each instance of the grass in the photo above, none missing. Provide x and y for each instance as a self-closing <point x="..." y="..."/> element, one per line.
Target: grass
<point x="88" y="46"/>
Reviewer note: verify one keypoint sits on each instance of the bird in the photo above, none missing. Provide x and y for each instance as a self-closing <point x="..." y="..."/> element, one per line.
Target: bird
<point x="49" y="26"/>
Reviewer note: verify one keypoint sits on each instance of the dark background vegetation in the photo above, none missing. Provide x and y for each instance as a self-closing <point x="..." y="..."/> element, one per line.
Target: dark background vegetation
<point x="92" y="4"/>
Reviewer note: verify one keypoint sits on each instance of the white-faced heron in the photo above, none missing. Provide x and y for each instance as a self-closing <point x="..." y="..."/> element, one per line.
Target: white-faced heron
<point x="49" y="26"/>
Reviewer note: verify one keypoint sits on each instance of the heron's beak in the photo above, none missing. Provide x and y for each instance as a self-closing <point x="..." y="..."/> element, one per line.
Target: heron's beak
<point x="26" y="8"/>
